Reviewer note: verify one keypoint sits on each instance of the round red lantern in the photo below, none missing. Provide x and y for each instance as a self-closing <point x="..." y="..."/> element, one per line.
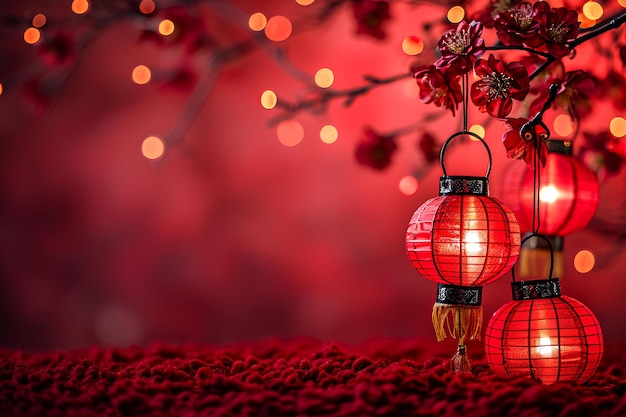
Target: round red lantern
<point x="568" y="193"/>
<point x="544" y="335"/>
<point x="462" y="239"/>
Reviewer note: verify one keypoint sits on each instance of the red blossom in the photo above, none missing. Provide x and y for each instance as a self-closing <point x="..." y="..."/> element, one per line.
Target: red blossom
<point x="575" y="94"/>
<point x="602" y="152"/>
<point x="375" y="150"/>
<point x="499" y="84"/>
<point x="460" y="47"/>
<point x="57" y="50"/>
<point x="488" y="15"/>
<point x="437" y="87"/>
<point x="370" y="16"/>
<point x="429" y="147"/>
<point x="189" y="30"/>
<point x="558" y="27"/>
<point x="613" y="87"/>
<point x="519" y="25"/>
<point x="520" y="148"/>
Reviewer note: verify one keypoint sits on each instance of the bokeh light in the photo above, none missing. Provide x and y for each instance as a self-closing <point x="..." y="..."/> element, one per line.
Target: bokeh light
<point x="412" y="45"/>
<point x="563" y="125"/>
<point x="257" y="21"/>
<point x="290" y="132"/>
<point x="166" y="27"/>
<point x="39" y="20"/>
<point x="278" y="28"/>
<point x="585" y="22"/>
<point x="305" y="2"/>
<point x="622" y="3"/>
<point x="329" y="134"/>
<point x="1" y="89"/>
<point x="584" y="261"/>
<point x="593" y="10"/>
<point x="324" y="77"/>
<point x="141" y="74"/>
<point x="408" y="185"/>
<point x="153" y="147"/>
<point x="268" y="99"/>
<point x="617" y="126"/>
<point x="147" y="6"/>
<point x="32" y="35"/>
<point x="479" y="130"/>
<point x="456" y="14"/>
<point x="80" y="6"/>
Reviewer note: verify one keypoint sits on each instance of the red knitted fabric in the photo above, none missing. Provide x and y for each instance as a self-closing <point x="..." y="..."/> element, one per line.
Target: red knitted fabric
<point x="295" y="378"/>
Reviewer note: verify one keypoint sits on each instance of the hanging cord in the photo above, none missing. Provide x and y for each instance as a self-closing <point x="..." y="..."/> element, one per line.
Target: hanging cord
<point x="465" y="80"/>
<point x="528" y="132"/>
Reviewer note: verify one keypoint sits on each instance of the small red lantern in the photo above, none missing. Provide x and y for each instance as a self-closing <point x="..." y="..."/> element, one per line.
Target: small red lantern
<point x="544" y="335"/>
<point x="568" y="193"/>
<point x="462" y="239"/>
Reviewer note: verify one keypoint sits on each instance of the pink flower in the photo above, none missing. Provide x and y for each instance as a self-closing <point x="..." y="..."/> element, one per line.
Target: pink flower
<point x="499" y="84"/>
<point x="523" y="148"/>
<point x="375" y="150"/>
<point x="437" y="87"/>
<point x="370" y="16"/>
<point x="460" y="47"/>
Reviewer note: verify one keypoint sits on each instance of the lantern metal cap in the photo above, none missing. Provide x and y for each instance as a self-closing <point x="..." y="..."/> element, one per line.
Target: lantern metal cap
<point x="559" y="146"/>
<point x="463" y="185"/>
<point x="540" y="288"/>
<point x="459" y="295"/>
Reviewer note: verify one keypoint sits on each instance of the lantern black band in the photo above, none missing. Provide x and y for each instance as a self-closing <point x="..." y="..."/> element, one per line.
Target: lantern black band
<point x="540" y="288"/>
<point x="463" y="186"/>
<point x="455" y="294"/>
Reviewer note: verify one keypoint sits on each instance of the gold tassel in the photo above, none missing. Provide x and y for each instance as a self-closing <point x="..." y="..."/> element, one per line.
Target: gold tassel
<point x="535" y="263"/>
<point x="458" y="321"/>
<point x="460" y="362"/>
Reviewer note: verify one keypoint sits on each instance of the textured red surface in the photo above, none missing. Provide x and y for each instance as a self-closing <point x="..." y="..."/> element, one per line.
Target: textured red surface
<point x="295" y="378"/>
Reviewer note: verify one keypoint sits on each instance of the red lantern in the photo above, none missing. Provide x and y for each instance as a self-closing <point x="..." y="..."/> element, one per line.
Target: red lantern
<point x="544" y="335"/>
<point x="568" y="193"/>
<point x="462" y="239"/>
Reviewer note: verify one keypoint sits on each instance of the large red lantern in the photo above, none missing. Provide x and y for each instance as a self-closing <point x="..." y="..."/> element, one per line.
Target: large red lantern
<point x="462" y="239"/>
<point x="568" y="193"/>
<point x="544" y="335"/>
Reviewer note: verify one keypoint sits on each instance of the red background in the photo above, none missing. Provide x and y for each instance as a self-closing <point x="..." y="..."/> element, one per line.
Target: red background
<point x="232" y="235"/>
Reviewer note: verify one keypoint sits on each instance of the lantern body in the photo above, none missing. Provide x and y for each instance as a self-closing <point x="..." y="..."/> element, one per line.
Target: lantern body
<point x="568" y="195"/>
<point x="552" y="339"/>
<point x="463" y="240"/>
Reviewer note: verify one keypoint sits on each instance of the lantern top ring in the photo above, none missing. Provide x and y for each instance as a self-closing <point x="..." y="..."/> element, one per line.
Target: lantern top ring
<point x="468" y="133"/>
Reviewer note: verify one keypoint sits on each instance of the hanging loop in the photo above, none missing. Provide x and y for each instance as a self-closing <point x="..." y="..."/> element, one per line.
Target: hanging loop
<point x="474" y="135"/>
<point x="531" y="235"/>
